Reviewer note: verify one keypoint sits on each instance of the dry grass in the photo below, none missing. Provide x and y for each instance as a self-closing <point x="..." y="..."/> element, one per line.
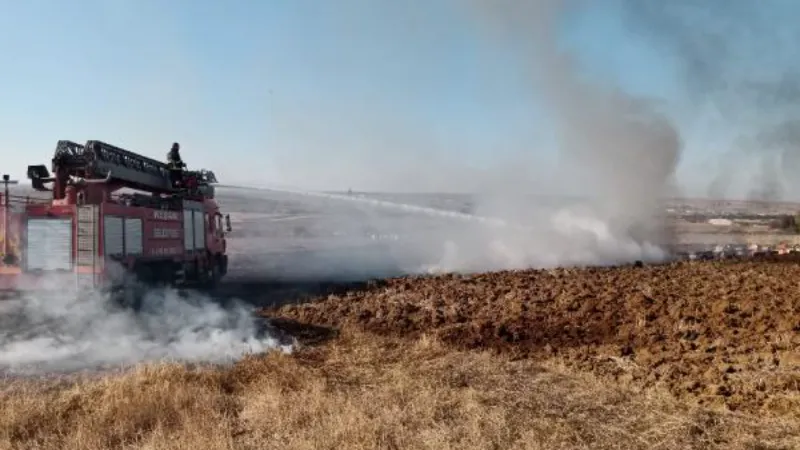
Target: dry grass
<point x="360" y="391"/>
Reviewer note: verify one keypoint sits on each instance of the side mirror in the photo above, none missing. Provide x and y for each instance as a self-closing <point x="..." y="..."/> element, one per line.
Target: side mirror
<point x="228" y="223"/>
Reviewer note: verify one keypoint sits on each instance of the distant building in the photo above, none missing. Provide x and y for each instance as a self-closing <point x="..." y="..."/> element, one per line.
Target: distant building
<point x="721" y="222"/>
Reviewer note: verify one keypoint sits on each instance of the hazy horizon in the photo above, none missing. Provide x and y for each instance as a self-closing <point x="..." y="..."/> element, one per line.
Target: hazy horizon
<point x="386" y="96"/>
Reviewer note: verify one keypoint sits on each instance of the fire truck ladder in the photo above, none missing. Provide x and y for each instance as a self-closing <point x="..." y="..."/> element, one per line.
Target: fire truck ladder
<point x="97" y="160"/>
<point x="86" y="257"/>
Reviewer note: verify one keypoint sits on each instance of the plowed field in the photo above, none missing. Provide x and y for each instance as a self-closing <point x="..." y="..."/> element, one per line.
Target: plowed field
<point x="718" y="334"/>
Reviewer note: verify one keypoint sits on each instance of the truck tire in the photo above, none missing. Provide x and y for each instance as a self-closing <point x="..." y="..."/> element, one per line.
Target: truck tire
<point x="214" y="275"/>
<point x="223" y="262"/>
<point x="136" y="284"/>
<point x="130" y="294"/>
<point x="133" y="297"/>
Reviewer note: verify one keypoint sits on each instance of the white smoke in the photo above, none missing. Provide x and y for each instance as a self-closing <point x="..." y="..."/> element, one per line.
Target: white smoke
<point x="617" y="154"/>
<point x="616" y="150"/>
<point x="54" y="331"/>
<point x="428" y="239"/>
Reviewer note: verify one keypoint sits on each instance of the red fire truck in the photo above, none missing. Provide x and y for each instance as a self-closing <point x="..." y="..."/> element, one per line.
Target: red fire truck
<point x="115" y="218"/>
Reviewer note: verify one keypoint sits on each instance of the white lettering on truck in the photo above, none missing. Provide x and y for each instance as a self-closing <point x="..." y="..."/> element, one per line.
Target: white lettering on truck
<point x="166" y="233"/>
<point x="165" y="251"/>
<point x="161" y="214"/>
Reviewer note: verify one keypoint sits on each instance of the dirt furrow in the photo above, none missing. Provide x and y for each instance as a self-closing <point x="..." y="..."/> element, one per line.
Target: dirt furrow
<point x="718" y="333"/>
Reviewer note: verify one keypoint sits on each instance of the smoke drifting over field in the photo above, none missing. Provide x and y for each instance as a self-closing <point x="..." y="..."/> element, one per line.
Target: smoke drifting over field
<point x="63" y="333"/>
<point x="738" y="61"/>
<point x="614" y="147"/>
<point x="616" y="151"/>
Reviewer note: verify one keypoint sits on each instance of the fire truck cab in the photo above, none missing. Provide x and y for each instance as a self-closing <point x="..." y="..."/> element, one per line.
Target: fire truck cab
<point x="114" y="217"/>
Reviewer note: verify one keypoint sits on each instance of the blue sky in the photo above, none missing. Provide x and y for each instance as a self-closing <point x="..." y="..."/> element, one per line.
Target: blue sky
<point x="300" y="92"/>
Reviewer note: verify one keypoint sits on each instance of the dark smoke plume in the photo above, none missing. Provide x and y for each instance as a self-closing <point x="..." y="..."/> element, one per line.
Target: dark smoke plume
<point x="618" y="148"/>
<point x="740" y="59"/>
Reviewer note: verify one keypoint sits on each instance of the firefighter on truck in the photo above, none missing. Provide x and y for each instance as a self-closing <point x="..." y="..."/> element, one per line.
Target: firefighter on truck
<point x="176" y="165"/>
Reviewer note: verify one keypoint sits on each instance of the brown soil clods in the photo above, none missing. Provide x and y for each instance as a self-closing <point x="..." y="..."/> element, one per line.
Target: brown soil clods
<point x="719" y="333"/>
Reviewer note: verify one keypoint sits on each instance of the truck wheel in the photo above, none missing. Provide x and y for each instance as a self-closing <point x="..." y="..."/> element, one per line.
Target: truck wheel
<point x="136" y="284"/>
<point x="129" y="294"/>
<point x="214" y="275"/>
<point x="223" y="265"/>
<point x="132" y="298"/>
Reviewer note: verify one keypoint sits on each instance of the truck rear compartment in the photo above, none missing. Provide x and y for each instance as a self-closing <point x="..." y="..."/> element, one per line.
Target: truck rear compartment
<point x="88" y="246"/>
